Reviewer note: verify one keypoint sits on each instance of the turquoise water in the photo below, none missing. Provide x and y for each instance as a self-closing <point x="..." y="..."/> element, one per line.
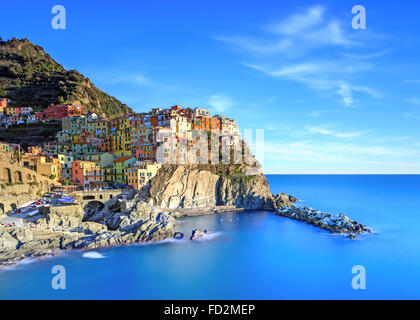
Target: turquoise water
<point x="257" y="255"/>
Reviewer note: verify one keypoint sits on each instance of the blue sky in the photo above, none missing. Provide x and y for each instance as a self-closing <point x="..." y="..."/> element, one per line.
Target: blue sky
<point x="331" y="99"/>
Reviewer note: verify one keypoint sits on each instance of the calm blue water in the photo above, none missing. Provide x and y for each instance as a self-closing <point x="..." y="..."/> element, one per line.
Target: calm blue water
<point x="257" y="255"/>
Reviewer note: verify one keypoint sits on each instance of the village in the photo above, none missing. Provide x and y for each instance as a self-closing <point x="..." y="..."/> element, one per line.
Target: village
<point x="91" y="152"/>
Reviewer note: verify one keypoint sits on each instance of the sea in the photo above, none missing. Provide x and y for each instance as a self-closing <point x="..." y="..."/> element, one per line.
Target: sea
<point x="255" y="254"/>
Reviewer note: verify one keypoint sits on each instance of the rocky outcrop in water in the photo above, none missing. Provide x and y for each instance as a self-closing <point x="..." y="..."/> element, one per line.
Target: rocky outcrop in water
<point x="333" y="223"/>
<point x="197" y="234"/>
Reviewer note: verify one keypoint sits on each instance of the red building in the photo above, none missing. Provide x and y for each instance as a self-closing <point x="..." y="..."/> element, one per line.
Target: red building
<point x="59" y="111"/>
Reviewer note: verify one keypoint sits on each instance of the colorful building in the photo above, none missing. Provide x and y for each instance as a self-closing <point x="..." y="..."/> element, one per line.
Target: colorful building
<point x="59" y="111"/>
<point x="120" y="168"/>
<point x="138" y="175"/>
<point x="87" y="174"/>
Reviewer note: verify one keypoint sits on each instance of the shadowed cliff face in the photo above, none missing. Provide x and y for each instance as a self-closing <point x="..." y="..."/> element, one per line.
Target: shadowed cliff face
<point x="204" y="186"/>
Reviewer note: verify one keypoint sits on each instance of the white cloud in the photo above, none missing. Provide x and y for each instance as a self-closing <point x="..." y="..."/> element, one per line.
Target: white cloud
<point x="346" y="94"/>
<point x="367" y="56"/>
<point x="256" y="45"/>
<point x="306" y="33"/>
<point x="415" y="101"/>
<point x="136" y="79"/>
<point x="299" y="22"/>
<point x="364" y="158"/>
<point x="220" y="102"/>
<point x="296" y="35"/>
<point x="324" y="130"/>
<point x="324" y="76"/>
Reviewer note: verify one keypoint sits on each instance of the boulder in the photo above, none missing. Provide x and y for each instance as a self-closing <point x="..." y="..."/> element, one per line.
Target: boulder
<point x="178" y="235"/>
<point x="293" y="199"/>
<point x="7" y="242"/>
<point x="197" y="234"/>
<point x="93" y="227"/>
<point x="22" y="234"/>
<point x="282" y="200"/>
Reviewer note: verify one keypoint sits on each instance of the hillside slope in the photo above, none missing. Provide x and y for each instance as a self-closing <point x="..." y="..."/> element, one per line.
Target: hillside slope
<point x="29" y="76"/>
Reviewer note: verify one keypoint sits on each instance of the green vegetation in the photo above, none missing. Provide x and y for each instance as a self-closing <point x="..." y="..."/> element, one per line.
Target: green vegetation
<point x="31" y="77"/>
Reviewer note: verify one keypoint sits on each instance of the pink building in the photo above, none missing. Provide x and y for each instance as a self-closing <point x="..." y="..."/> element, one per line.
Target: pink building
<point x="59" y="111"/>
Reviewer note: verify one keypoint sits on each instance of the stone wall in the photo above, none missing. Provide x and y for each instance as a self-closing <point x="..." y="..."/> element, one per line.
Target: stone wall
<point x="13" y="174"/>
<point x="19" y="185"/>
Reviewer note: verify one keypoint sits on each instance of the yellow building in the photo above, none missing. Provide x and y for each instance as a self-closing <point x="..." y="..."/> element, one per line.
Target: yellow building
<point x="50" y="169"/>
<point x="10" y="111"/>
<point x="120" y="168"/>
<point x="139" y="175"/>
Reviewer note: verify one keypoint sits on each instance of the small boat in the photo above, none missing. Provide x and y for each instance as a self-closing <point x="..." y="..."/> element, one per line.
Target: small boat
<point x="33" y="212"/>
<point x="66" y="200"/>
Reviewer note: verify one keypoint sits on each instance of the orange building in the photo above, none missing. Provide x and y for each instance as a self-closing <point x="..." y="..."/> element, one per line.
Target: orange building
<point x="3" y="102"/>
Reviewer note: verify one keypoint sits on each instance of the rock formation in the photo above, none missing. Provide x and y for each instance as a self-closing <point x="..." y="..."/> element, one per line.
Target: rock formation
<point x="333" y="223"/>
<point x="201" y="186"/>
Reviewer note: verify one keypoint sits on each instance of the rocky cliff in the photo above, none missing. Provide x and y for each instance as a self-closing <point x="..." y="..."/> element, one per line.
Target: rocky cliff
<point x="205" y="185"/>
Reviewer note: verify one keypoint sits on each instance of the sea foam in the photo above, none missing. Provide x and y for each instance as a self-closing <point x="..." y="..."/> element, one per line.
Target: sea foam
<point x="93" y="255"/>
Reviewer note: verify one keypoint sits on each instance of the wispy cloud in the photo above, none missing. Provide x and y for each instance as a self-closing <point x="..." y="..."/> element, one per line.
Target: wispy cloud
<point x="299" y="22"/>
<point x="256" y="45"/>
<point x="220" y="102"/>
<point x="136" y="79"/>
<point x="363" y="158"/>
<point x="323" y="76"/>
<point x="312" y="27"/>
<point x="324" y="130"/>
<point x="415" y="101"/>
<point x="296" y="35"/>
<point x="368" y="56"/>
<point x="304" y="34"/>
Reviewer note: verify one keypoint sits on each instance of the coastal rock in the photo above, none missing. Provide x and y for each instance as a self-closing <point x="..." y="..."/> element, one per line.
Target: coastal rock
<point x="293" y="199"/>
<point x="22" y="234"/>
<point x="93" y="227"/>
<point x="178" y="235"/>
<point x="7" y="242"/>
<point x="66" y="217"/>
<point x="197" y="234"/>
<point x="333" y="223"/>
<point x="282" y="200"/>
<point x="181" y="187"/>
